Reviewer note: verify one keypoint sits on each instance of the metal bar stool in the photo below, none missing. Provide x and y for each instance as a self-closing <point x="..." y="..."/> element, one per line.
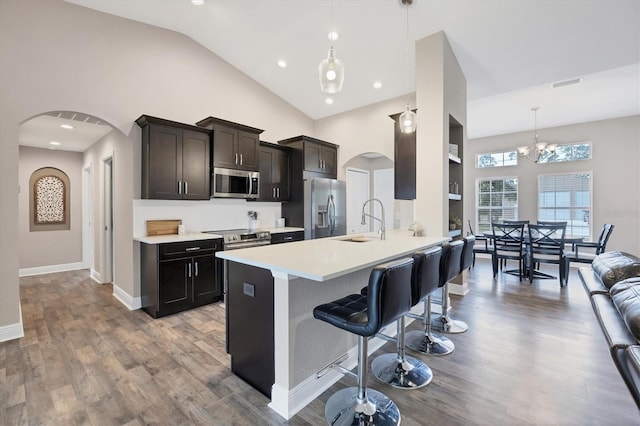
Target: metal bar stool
<point x="388" y="298"/>
<point x="426" y="279"/>
<point x="450" y="263"/>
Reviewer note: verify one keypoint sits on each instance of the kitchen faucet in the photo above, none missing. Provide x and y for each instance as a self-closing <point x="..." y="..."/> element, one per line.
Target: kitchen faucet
<point x="364" y="215"/>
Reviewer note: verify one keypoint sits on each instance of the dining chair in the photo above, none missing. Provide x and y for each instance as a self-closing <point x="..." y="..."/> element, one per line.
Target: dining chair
<point x="595" y="247"/>
<point x="482" y="244"/>
<point x="508" y="244"/>
<point x="550" y="222"/>
<point x="546" y="245"/>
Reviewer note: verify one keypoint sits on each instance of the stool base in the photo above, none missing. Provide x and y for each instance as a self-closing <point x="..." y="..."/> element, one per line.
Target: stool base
<point x="419" y="342"/>
<point x="443" y="324"/>
<point x="410" y="373"/>
<point x="341" y="409"/>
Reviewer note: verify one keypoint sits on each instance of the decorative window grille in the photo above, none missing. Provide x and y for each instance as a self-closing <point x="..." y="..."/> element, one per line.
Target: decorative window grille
<point x="49" y="200"/>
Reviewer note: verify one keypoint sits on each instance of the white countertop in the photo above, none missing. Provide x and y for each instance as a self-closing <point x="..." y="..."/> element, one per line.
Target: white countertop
<point x="176" y="238"/>
<point x="281" y="230"/>
<point x="327" y="258"/>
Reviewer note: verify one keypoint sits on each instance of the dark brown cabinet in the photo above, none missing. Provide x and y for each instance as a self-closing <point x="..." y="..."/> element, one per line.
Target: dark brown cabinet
<point x="175" y="160"/>
<point x="180" y="276"/>
<point x="287" y="237"/>
<point x="404" y="162"/>
<point x="275" y="174"/>
<point x="235" y="146"/>
<point x="317" y="156"/>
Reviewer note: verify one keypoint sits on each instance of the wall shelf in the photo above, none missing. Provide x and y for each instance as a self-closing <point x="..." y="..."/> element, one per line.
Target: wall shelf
<point x="454" y="159"/>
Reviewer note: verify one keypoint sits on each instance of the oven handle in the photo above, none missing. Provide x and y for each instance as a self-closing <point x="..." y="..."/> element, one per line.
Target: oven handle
<point x="248" y="244"/>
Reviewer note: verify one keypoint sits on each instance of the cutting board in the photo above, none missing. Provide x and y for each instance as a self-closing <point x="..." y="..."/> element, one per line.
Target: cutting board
<point x="163" y="227"/>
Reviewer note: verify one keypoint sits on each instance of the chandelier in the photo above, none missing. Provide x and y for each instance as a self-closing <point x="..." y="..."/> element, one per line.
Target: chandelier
<point x="538" y="148"/>
<point x="331" y="69"/>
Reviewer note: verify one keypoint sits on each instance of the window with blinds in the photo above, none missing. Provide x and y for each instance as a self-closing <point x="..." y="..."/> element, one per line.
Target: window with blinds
<point x="496" y="200"/>
<point x="566" y="198"/>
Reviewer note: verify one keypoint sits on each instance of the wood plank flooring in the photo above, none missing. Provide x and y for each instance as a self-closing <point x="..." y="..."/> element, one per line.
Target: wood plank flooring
<point x="533" y="355"/>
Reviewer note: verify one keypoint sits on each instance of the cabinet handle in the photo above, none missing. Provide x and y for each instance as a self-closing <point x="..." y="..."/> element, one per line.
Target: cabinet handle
<point x="241" y="159"/>
<point x="193" y="248"/>
<point x="196" y="263"/>
<point x="278" y="192"/>
<point x="236" y="158"/>
<point x="180" y="187"/>
<point x="273" y="192"/>
<point x="186" y="187"/>
<point x="189" y="265"/>
<point x="288" y="238"/>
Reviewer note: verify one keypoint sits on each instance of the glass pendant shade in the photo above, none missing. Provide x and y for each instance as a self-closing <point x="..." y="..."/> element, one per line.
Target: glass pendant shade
<point x="408" y="121"/>
<point x="331" y="73"/>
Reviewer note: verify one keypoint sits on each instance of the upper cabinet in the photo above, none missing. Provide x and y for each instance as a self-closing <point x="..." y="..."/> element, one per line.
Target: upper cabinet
<point x="175" y="160"/>
<point x="404" y="162"/>
<point x="275" y="173"/>
<point x="318" y="157"/>
<point x="235" y="146"/>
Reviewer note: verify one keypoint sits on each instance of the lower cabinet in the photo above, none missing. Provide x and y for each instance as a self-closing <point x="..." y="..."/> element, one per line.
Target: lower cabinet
<point x="179" y="276"/>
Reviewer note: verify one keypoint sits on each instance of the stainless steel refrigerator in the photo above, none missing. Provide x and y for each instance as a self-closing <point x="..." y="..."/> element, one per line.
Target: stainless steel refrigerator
<point x="321" y="209"/>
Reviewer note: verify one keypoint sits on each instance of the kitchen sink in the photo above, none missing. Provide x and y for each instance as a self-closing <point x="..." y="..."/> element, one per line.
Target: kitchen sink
<point x="360" y="239"/>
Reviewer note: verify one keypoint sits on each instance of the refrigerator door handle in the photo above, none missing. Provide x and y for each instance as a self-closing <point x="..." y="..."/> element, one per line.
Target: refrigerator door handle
<point x="331" y="212"/>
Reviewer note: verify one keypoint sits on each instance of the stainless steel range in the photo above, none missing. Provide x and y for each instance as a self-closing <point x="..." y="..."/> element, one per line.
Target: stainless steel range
<point x="243" y="238"/>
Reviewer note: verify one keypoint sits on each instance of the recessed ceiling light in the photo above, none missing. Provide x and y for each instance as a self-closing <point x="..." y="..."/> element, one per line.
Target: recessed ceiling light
<point x="333" y="35"/>
<point x="377" y="84"/>
<point x="328" y="101"/>
<point x="54" y="143"/>
<point x="197" y="2"/>
<point x="282" y="63"/>
<point x="67" y="126"/>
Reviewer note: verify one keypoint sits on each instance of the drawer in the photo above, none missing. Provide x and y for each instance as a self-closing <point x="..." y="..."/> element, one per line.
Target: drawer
<point x="287" y="237"/>
<point x="188" y="248"/>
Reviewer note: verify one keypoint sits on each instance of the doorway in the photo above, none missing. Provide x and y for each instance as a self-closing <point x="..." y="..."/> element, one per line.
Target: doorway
<point x="358" y="184"/>
<point x="108" y="220"/>
<point x="87" y="222"/>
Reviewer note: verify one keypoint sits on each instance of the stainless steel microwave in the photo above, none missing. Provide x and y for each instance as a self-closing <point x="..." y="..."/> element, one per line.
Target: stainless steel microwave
<point x="230" y="183"/>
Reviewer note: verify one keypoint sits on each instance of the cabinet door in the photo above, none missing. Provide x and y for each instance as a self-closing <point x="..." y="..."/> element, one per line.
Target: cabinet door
<point x="224" y="147"/>
<point x="206" y="287"/>
<point x="195" y="165"/>
<point x="282" y="175"/>
<point x="329" y="157"/>
<point x="175" y="285"/>
<point x="164" y="163"/>
<point x="247" y="150"/>
<point x="312" y="157"/>
<point x="267" y="158"/>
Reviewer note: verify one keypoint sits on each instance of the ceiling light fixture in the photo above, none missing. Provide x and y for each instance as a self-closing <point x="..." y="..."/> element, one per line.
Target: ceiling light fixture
<point x="328" y="101"/>
<point x="54" y="143"/>
<point x="282" y="63"/>
<point x="333" y="35"/>
<point x="67" y="126"/>
<point x="197" y="2"/>
<point x="538" y="149"/>
<point x="377" y="84"/>
<point x="408" y="119"/>
<point x="331" y="69"/>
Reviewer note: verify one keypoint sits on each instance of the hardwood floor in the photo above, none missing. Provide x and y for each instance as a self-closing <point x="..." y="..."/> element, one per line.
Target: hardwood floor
<point x="533" y="355"/>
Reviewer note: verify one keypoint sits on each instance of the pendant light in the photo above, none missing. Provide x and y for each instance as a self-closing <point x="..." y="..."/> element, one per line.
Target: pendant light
<point x="331" y="69"/>
<point x="408" y="120"/>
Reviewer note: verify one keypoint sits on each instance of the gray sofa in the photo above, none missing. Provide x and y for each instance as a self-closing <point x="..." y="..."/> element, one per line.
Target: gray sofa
<point x="613" y="285"/>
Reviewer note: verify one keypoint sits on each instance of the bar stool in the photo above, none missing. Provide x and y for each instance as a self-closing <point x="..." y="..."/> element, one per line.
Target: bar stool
<point x="426" y="279"/>
<point x="388" y="298"/>
<point x="450" y="263"/>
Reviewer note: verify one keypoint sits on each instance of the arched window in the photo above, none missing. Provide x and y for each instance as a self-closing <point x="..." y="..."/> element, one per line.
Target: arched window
<point x="49" y="190"/>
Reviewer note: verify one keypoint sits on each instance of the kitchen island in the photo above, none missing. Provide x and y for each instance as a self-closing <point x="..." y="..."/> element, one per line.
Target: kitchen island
<point x="275" y="343"/>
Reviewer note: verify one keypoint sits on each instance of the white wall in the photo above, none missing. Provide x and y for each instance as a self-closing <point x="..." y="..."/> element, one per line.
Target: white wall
<point x="615" y="167"/>
<point x="52" y="249"/>
<point x="58" y="56"/>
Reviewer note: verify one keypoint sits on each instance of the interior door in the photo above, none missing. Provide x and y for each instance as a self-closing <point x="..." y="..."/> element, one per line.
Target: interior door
<point x="357" y="193"/>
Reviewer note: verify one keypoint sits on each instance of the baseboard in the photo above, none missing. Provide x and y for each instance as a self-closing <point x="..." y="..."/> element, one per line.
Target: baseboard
<point x="39" y="270"/>
<point x="95" y="275"/>
<point x="132" y="303"/>
<point x="459" y="289"/>
<point x="13" y="331"/>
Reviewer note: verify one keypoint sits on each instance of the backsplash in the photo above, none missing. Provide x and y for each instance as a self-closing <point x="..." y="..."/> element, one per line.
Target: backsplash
<point x="215" y="214"/>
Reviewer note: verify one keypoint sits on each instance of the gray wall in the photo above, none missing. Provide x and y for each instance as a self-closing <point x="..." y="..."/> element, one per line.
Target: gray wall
<point x="58" y="56"/>
<point x="615" y="167"/>
<point x="47" y="248"/>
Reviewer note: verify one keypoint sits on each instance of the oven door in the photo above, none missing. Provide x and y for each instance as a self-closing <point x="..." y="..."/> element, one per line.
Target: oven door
<point x="229" y="183"/>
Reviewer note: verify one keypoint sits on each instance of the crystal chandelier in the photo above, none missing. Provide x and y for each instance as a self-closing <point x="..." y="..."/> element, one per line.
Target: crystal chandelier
<point x="538" y="148"/>
<point x="331" y="69"/>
